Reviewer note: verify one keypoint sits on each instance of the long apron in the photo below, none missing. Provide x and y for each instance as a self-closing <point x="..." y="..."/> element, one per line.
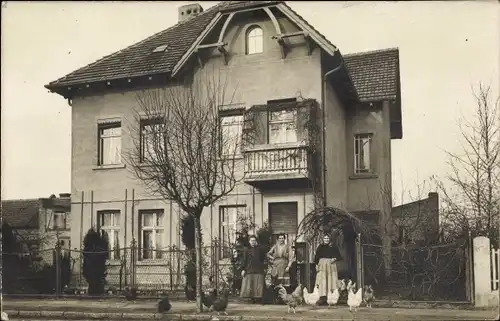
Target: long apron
<point x="278" y="271"/>
<point x="326" y="276"/>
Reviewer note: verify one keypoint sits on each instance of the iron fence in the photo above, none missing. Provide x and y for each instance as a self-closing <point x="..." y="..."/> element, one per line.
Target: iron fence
<point x="434" y="272"/>
<point x="151" y="272"/>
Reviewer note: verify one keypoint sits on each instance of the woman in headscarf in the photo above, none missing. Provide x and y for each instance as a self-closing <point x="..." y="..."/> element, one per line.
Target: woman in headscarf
<point x="281" y="257"/>
<point x="326" y="258"/>
<point x="253" y="273"/>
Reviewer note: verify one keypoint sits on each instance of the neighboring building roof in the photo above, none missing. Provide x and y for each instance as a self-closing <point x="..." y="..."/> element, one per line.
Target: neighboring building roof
<point x="375" y="74"/>
<point x="21" y="214"/>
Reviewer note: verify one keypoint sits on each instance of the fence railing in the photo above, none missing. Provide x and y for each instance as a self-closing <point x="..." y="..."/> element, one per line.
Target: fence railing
<point x="495" y="267"/>
<point x="152" y="272"/>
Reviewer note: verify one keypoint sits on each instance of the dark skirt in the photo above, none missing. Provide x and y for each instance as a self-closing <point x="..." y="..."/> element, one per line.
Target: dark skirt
<point x="252" y="286"/>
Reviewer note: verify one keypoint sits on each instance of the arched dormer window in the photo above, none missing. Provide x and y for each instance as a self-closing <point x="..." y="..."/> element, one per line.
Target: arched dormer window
<point x="255" y="40"/>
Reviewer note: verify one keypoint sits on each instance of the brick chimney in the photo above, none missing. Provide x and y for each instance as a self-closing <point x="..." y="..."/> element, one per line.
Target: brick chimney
<point x="189" y="10"/>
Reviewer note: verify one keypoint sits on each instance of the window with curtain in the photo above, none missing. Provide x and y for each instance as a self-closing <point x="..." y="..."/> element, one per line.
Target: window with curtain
<point x="151" y="234"/>
<point x="362" y="153"/>
<point x="229" y="216"/>
<point x="109" y="222"/>
<point x="282" y="126"/>
<point x="231" y="127"/>
<point x="255" y="40"/>
<point x="110" y="144"/>
<point x="59" y="221"/>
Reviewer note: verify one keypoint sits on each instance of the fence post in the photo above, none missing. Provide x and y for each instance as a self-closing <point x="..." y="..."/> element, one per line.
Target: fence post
<point x="215" y="258"/>
<point x="482" y="271"/>
<point x="133" y="264"/>
<point x="359" y="262"/>
<point x="58" y="267"/>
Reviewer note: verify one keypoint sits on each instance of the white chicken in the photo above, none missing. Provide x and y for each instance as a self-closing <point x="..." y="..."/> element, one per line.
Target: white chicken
<point x="311" y="298"/>
<point x="354" y="300"/>
<point x="333" y="297"/>
<point x="5" y="317"/>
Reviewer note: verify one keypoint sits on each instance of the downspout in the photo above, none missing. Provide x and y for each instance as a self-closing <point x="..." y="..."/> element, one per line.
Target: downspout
<point x="323" y="93"/>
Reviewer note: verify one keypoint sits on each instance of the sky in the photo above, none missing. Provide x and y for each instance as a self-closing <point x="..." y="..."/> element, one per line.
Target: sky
<point x="446" y="48"/>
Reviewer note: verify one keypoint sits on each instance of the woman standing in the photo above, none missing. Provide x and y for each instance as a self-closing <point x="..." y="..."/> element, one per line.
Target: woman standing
<point x="281" y="257"/>
<point x="253" y="273"/>
<point x="326" y="258"/>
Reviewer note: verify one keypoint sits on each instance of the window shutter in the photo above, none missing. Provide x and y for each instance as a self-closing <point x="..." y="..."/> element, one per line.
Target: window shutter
<point x="283" y="217"/>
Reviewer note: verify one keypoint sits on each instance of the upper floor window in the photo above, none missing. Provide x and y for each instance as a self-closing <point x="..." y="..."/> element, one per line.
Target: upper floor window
<point x="151" y="234"/>
<point x="151" y="139"/>
<point x="109" y="144"/>
<point x="229" y="216"/>
<point x="255" y="40"/>
<point x="231" y="127"/>
<point x="362" y="153"/>
<point x="109" y="222"/>
<point x="59" y="221"/>
<point x="282" y="127"/>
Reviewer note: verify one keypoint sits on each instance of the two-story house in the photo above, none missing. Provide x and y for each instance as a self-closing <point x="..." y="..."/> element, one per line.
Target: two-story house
<point x="276" y="58"/>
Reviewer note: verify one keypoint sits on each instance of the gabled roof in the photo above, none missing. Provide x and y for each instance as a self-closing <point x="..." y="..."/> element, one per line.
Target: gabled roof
<point x="21" y="214"/>
<point x="375" y="74"/>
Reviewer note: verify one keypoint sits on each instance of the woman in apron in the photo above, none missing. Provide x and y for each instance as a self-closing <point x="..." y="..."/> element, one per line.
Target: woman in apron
<point x="281" y="257"/>
<point x="326" y="258"/>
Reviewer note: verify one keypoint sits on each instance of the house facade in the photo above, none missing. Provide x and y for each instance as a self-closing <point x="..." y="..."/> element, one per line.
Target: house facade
<point x="39" y="223"/>
<point x="271" y="58"/>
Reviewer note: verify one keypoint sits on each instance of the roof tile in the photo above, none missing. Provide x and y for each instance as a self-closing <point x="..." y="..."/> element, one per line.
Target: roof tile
<point x="21" y="214"/>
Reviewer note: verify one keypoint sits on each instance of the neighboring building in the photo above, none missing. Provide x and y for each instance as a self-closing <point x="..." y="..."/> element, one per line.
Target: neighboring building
<point x="417" y="221"/>
<point x="273" y="54"/>
<point x="38" y="223"/>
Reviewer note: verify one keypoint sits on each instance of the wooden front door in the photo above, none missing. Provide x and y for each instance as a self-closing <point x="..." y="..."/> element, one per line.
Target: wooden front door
<point x="283" y="219"/>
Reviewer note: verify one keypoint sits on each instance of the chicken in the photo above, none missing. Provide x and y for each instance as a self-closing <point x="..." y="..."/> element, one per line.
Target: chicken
<point x="130" y="293"/>
<point x="354" y="299"/>
<point x="164" y="305"/>
<point x="5" y="317"/>
<point x="333" y="297"/>
<point x="208" y="297"/>
<point x="220" y="303"/>
<point x="291" y="300"/>
<point x="312" y="298"/>
<point x="369" y="296"/>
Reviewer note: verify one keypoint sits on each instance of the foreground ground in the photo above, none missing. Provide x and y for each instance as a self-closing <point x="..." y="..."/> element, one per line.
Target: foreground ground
<point x="78" y="309"/>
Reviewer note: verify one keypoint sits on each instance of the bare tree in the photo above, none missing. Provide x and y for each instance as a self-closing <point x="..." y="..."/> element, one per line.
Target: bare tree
<point x="472" y="198"/>
<point x="183" y="151"/>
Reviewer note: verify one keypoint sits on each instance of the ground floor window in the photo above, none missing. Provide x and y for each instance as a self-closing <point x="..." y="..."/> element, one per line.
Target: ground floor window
<point x="109" y="223"/>
<point x="152" y="232"/>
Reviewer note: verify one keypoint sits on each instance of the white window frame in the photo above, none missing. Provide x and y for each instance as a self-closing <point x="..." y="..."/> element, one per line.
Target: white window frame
<point x="232" y="224"/>
<point x="363" y="154"/>
<point x="101" y="136"/>
<point x="254" y="40"/>
<point x="227" y="123"/>
<point x="56" y="214"/>
<point x="145" y="143"/>
<point x="158" y="216"/>
<point x="112" y="231"/>
<point x="285" y="123"/>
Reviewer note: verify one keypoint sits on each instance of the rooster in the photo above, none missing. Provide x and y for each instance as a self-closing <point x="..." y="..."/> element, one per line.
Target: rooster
<point x="208" y="297"/>
<point x="369" y="296"/>
<point x="312" y="298"/>
<point x="354" y="299"/>
<point x="291" y="300"/>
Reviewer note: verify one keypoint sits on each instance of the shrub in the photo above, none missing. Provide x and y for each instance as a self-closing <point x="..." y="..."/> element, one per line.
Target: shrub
<point x="95" y="254"/>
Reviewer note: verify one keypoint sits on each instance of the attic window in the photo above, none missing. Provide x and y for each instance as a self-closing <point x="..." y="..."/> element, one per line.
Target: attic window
<point x="161" y="48"/>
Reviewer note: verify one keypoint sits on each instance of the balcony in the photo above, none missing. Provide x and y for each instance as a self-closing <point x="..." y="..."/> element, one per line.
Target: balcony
<point x="274" y="163"/>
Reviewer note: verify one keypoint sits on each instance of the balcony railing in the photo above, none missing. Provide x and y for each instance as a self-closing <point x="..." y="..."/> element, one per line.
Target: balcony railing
<point x="274" y="162"/>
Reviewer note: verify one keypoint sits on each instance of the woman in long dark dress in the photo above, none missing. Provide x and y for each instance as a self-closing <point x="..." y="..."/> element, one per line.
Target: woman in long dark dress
<point x="253" y="273"/>
<point x="326" y="258"/>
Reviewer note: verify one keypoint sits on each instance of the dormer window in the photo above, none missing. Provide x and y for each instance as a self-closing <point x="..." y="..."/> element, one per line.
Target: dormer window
<point x="255" y="40"/>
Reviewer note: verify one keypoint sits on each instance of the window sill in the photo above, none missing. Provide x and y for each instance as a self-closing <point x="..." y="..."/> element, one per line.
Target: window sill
<point x="105" y="167"/>
<point x="363" y="176"/>
<point x="153" y="262"/>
